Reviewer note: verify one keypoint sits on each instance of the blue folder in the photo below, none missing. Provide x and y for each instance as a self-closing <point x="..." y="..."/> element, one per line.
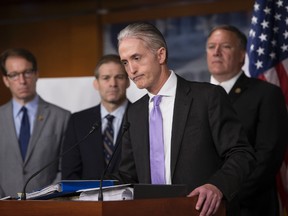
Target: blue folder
<point x="67" y="187"/>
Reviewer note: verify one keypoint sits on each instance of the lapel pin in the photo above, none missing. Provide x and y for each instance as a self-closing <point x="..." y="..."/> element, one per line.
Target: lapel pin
<point x="40" y="118"/>
<point x="237" y="90"/>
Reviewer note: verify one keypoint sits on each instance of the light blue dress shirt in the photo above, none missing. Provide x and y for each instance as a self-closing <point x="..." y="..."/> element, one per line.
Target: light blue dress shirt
<point x="118" y="117"/>
<point x="32" y="107"/>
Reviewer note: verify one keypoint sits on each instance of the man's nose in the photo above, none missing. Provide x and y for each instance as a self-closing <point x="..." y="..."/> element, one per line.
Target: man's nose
<point x="132" y="68"/>
<point x="21" y="77"/>
<point x="217" y="51"/>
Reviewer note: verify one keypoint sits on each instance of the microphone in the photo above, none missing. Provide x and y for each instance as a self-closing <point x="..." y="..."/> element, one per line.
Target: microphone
<point x="125" y="127"/>
<point x="93" y="128"/>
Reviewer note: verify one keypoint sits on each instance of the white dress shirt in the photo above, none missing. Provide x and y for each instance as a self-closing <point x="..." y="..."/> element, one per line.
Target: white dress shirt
<point x="168" y="92"/>
<point x="228" y="84"/>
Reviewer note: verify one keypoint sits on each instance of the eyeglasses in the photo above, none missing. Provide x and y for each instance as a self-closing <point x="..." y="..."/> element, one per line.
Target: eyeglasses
<point x="15" y="75"/>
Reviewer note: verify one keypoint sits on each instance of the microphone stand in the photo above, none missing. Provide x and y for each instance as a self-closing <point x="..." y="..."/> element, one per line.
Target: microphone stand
<point x="23" y="195"/>
<point x="126" y="126"/>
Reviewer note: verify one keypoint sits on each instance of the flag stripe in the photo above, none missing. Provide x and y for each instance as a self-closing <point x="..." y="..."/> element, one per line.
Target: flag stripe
<point x="283" y="79"/>
<point x="278" y="75"/>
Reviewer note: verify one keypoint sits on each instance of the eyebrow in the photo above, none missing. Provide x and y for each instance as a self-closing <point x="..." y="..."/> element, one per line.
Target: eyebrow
<point x="20" y="71"/>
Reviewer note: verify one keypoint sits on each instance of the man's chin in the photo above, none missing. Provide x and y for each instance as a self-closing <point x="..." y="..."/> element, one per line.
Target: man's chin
<point x="217" y="72"/>
<point x="114" y="100"/>
<point x="140" y="85"/>
<point x="25" y="96"/>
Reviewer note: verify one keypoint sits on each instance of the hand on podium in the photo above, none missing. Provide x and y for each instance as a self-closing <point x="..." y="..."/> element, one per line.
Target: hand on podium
<point x="209" y="199"/>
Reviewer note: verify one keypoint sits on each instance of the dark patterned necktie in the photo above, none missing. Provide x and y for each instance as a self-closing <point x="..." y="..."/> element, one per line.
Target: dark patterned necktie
<point x="108" y="138"/>
<point x="24" y="133"/>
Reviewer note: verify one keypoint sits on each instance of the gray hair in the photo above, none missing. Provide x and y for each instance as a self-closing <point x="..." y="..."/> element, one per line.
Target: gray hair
<point x="147" y="32"/>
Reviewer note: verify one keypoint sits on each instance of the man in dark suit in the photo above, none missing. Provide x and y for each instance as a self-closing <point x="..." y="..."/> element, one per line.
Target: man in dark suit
<point x="47" y="126"/>
<point x="87" y="161"/>
<point x="204" y="145"/>
<point x="262" y="111"/>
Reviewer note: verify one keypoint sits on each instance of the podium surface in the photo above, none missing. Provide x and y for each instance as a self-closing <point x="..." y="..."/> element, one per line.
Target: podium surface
<point x="152" y="207"/>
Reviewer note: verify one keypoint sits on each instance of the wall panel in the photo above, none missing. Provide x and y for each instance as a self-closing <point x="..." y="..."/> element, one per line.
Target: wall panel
<point x="66" y="36"/>
<point x="63" y="47"/>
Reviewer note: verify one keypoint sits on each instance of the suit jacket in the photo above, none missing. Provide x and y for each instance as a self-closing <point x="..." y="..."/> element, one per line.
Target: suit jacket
<point x="44" y="146"/>
<point x="208" y="143"/>
<point x="86" y="160"/>
<point x="262" y="110"/>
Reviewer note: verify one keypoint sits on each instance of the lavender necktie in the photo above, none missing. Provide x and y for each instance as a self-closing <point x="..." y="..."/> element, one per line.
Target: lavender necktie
<point x="157" y="164"/>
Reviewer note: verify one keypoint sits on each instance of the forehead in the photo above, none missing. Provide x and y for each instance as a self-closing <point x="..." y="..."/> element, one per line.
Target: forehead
<point x="222" y="35"/>
<point x="17" y="62"/>
<point x="129" y="46"/>
<point x="111" y="68"/>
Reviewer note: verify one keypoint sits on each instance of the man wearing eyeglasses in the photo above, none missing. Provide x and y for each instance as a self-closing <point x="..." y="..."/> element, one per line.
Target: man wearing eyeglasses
<point x="31" y="130"/>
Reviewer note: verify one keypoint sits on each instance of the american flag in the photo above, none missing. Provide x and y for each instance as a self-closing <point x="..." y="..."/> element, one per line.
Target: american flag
<point x="267" y="52"/>
<point x="268" y="43"/>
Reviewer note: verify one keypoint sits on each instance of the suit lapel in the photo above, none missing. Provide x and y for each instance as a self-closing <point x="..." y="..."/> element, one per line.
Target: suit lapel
<point x="139" y="131"/>
<point x="115" y="162"/>
<point x="40" y="120"/>
<point x="11" y="131"/>
<point x="94" y="141"/>
<point x="183" y="102"/>
<point x="239" y="87"/>
<point x="93" y="146"/>
<point x="143" y="138"/>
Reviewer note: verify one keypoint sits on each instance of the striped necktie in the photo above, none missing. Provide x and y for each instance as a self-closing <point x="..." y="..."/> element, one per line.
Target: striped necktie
<point x="108" y="138"/>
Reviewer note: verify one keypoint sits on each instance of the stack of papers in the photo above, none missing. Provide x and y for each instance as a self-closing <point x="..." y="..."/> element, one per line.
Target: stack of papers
<point x="112" y="193"/>
<point x="66" y="187"/>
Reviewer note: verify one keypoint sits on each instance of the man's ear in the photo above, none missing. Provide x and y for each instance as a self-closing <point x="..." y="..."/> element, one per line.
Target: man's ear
<point x="243" y="56"/>
<point x="128" y="83"/>
<point x="36" y="75"/>
<point x="95" y="84"/>
<point x="6" y="81"/>
<point x="162" y="55"/>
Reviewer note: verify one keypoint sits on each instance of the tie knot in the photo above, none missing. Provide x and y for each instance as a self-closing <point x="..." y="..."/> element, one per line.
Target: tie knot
<point x="23" y="109"/>
<point x="157" y="99"/>
<point x="109" y="118"/>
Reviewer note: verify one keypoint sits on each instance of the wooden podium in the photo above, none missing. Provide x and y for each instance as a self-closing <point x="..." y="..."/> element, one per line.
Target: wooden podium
<point x="143" y="207"/>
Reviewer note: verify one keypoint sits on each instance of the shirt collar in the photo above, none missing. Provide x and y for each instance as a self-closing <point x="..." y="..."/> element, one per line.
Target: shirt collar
<point x="116" y="113"/>
<point x="169" y="87"/>
<point x="228" y="84"/>
<point x="31" y="106"/>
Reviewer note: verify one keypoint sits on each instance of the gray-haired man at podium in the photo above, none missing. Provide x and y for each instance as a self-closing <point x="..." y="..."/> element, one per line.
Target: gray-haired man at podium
<point x="202" y="143"/>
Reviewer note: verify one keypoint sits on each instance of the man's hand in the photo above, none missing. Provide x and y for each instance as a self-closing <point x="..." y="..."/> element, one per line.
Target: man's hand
<point x="209" y="199"/>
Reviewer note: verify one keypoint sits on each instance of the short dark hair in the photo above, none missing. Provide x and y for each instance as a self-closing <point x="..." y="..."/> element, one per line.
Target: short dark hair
<point x="106" y="59"/>
<point x="17" y="52"/>
<point x="240" y="35"/>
